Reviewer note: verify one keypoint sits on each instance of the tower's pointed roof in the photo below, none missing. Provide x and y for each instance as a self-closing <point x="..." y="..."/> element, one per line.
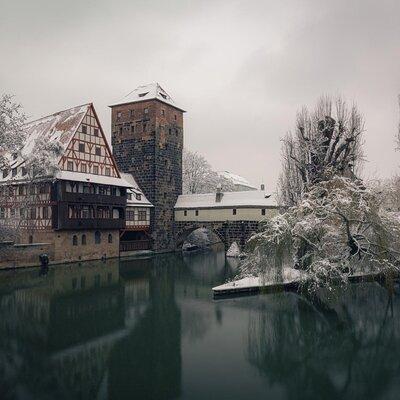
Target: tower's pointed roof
<point x="151" y="91"/>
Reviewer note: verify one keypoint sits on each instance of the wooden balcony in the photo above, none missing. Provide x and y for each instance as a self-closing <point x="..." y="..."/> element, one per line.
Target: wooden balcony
<point x="135" y="245"/>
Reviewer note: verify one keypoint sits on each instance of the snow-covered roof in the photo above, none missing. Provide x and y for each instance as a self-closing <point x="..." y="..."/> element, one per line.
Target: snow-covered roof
<point x="248" y="198"/>
<point x="138" y="198"/>
<point x="92" y="178"/>
<point x="150" y="91"/>
<point x="59" y="127"/>
<point x="236" y="179"/>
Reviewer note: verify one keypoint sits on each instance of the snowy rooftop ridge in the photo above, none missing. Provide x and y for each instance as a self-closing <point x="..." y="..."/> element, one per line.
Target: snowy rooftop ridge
<point x="236" y="179"/>
<point x="248" y="198"/>
<point x="135" y="190"/>
<point x="150" y="91"/>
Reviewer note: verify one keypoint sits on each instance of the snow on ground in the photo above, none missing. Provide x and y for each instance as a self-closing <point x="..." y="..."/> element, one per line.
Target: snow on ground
<point x="289" y="275"/>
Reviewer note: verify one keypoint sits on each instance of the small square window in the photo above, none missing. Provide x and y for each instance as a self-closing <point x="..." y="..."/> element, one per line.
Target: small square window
<point x="119" y="115"/>
<point x="234" y="211"/>
<point x="108" y="171"/>
<point x="14" y="172"/>
<point x="83" y="168"/>
<point x="70" y="166"/>
<point x="96" y="132"/>
<point x="138" y="196"/>
<point x="84" y="129"/>
<point x="197" y="213"/>
<point x="95" y="169"/>
<point x="263" y="211"/>
<point x="98" y="151"/>
<point x="81" y="147"/>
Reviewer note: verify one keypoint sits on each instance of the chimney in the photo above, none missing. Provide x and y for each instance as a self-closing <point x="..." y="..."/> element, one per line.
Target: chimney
<point x="262" y="187"/>
<point x="218" y="194"/>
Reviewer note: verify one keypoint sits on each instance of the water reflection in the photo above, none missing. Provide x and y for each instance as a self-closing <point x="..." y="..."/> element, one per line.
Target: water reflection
<point x="149" y="329"/>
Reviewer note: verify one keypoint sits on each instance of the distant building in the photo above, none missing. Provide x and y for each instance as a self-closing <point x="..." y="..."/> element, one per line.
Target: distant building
<point x="239" y="183"/>
<point x="79" y="213"/>
<point x="147" y="139"/>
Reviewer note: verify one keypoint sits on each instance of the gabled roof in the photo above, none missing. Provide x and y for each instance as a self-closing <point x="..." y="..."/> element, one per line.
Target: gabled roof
<point x="248" y="198"/>
<point x="134" y="190"/>
<point x="151" y="91"/>
<point x="236" y="179"/>
<point x="59" y="127"/>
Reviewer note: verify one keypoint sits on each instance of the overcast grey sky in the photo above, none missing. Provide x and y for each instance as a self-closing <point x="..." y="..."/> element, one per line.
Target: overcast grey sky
<point x="241" y="69"/>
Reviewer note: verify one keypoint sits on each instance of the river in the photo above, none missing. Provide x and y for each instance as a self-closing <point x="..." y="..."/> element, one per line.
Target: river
<point x="150" y="329"/>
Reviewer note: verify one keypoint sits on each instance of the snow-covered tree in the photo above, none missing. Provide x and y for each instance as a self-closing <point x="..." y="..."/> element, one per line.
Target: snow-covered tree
<point x="199" y="177"/>
<point x="335" y="224"/>
<point x="329" y="139"/>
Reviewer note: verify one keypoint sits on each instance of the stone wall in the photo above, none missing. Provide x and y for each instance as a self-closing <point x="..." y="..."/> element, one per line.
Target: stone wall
<point x="229" y="232"/>
<point x="152" y="152"/>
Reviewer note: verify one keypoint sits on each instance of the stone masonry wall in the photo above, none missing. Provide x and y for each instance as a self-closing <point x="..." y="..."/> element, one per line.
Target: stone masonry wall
<point x="229" y="232"/>
<point x="152" y="152"/>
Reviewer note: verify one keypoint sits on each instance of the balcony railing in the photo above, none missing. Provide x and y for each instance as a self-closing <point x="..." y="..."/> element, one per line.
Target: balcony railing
<point x="135" y="245"/>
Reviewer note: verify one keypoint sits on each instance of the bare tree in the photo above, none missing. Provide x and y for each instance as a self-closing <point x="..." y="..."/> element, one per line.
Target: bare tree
<point x="326" y="142"/>
<point x="198" y="176"/>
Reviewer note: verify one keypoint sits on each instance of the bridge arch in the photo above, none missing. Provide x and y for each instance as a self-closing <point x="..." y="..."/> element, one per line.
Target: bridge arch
<point x="183" y="233"/>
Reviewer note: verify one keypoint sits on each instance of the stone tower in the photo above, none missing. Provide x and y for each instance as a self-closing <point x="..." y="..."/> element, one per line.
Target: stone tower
<point x="147" y="138"/>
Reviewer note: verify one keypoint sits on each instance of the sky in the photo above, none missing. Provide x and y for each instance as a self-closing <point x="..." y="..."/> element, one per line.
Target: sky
<point x="241" y="69"/>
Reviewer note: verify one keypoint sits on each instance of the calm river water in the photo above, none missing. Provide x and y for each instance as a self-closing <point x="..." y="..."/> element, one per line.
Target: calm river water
<point x="149" y="329"/>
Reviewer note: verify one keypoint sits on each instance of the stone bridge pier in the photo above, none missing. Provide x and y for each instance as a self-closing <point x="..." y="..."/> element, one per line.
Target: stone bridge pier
<point x="228" y="231"/>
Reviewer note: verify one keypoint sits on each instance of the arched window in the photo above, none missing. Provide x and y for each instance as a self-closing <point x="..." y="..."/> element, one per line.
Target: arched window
<point x="97" y="237"/>
<point x="110" y="238"/>
<point x="75" y="240"/>
<point x="83" y="239"/>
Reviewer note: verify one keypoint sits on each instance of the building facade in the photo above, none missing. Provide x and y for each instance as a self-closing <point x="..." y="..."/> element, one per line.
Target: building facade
<point x="147" y="139"/>
<point x="79" y="210"/>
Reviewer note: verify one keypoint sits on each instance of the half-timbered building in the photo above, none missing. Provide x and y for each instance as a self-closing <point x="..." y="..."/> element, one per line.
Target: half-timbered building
<point x="82" y="208"/>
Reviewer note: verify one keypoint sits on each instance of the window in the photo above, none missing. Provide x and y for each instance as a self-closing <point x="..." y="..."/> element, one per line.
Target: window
<point x="138" y="196"/>
<point x="81" y="147"/>
<point x="32" y="190"/>
<point x="84" y="129"/>
<point x="83" y="168"/>
<point x="2" y="212"/>
<point x="185" y="213"/>
<point x="14" y="172"/>
<point x="95" y="169"/>
<point x="70" y="166"/>
<point x="85" y="212"/>
<point x="33" y="213"/>
<point x="129" y="195"/>
<point x="43" y="189"/>
<point x="197" y="213"/>
<point x="96" y="132"/>
<point x="110" y="238"/>
<point x="141" y="215"/>
<point x="144" y="127"/>
<point x="24" y="171"/>
<point x="30" y="239"/>
<point x="45" y="212"/>
<point x="143" y="94"/>
<point x="22" y="212"/>
<point x="130" y="215"/>
<point x="169" y="130"/>
<point x="98" y="151"/>
<point x="5" y="173"/>
<point x="108" y="171"/>
<point x="120" y="129"/>
<point x="97" y="237"/>
<point x="234" y="211"/>
<point x="175" y="117"/>
<point x="20" y="190"/>
<point x="119" y="115"/>
<point x="74" y="240"/>
<point x="83" y="240"/>
<point x="263" y="211"/>
<point x="12" y="212"/>
<point x="162" y="112"/>
<point x="146" y="110"/>
<point x="133" y="128"/>
<point x="132" y="112"/>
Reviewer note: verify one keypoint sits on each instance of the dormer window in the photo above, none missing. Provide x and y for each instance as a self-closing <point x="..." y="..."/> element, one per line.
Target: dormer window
<point x="15" y="155"/>
<point x="143" y="94"/>
<point x="5" y="173"/>
<point x="24" y="171"/>
<point x="14" y="172"/>
<point x="163" y="95"/>
<point x="138" y="196"/>
<point x="129" y="196"/>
